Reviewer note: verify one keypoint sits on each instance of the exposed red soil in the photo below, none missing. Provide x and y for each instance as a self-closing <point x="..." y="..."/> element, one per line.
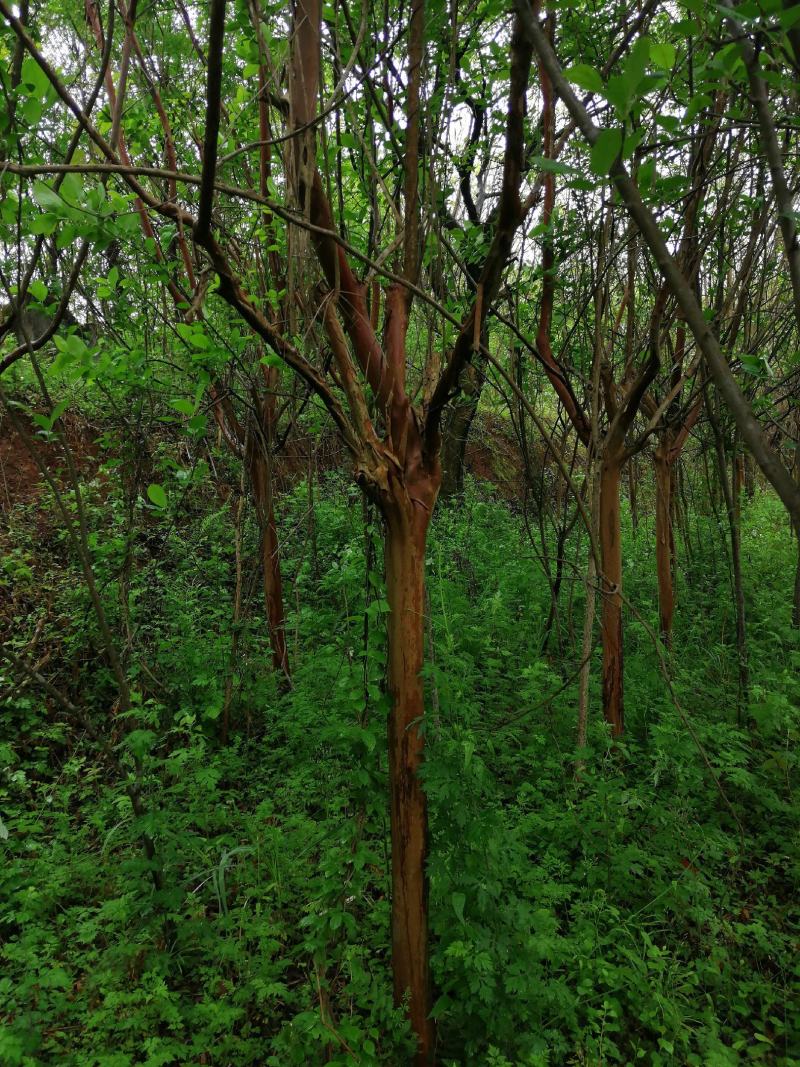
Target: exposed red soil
<point x="492" y="455"/>
<point x="21" y="480"/>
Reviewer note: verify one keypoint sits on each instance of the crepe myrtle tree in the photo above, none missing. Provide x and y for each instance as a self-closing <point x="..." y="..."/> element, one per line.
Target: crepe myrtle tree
<point x="389" y="423"/>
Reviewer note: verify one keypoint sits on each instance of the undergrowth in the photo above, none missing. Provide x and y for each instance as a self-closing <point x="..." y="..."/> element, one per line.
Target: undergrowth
<point x="642" y="910"/>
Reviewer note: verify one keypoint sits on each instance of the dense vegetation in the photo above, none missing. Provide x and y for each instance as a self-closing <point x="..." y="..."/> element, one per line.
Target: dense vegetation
<point x="399" y="585"/>
<point x="618" y="915"/>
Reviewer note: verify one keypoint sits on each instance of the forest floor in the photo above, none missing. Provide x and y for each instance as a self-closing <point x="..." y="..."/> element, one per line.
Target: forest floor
<point x="642" y="910"/>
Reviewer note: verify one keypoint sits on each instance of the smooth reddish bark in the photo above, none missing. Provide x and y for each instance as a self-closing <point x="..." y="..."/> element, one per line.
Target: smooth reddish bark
<point x="261" y="479"/>
<point x="404" y="547"/>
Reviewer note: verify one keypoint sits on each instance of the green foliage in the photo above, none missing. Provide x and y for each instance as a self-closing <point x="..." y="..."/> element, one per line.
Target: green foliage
<point x="617" y="917"/>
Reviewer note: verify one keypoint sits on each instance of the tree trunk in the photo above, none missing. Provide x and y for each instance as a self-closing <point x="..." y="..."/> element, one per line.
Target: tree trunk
<point x="237" y="612"/>
<point x="633" y="493"/>
<point x="588" y="619"/>
<point x="406" y="526"/>
<point x="665" y="543"/>
<point x="261" y="479"/>
<point x="456" y="431"/>
<point x="611" y="618"/>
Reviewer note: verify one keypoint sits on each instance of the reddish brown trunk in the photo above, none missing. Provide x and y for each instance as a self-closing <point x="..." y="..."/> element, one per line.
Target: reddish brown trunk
<point x="665" y="544"/>
<point x="611" y="628"/>
<point x="261" y="479"/>
<point x="404" y="547"/>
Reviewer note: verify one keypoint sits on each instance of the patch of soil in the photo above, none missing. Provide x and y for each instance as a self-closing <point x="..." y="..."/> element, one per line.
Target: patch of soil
<point x="493" y="455"/>
<point x="21" y="480"/>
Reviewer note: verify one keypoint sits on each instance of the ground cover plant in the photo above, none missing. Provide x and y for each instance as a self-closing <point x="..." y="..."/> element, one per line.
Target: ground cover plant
<point x="399" y="584"/>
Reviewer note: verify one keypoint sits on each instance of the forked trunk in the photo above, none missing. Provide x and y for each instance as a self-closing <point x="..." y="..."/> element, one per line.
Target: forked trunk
<point x="611" y="628"/>
<point x="665" y="544"/>
<point x="404" y="547"/>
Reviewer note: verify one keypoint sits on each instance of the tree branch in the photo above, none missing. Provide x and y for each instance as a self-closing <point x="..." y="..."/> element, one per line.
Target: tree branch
<point x="509" y="217"/>
<point x="749" y="427"/>
<point x="216" y="39"/>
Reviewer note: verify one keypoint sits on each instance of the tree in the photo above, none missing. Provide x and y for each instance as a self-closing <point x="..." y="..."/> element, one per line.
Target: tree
<point x="398" y="464"/>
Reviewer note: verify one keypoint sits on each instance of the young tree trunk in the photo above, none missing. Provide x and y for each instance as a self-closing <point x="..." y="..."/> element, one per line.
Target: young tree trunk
<point x="406" y="526"/>
<point x="457" y="428"/>
<point x="588" y="619"/>
<point x="633" y="494"/>
<point x="665" y="543"/>
<point x="237" y="611"/>
<point x="260" y="463"/>
<point x="611" y="616"/>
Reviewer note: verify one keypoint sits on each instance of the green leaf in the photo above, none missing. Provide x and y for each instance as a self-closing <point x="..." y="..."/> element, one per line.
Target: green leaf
<point x="140" y="741"/>
<point x="663" y="55"/>
<point x="32" y="111"/>
<point x="552" y="165"/>
<point x="34" y="78"/>
<point x="636" y="62"/>
<point x="632" y="142"/>
<point x="71" y="349"/>
<point x="622" y="88"/>
<point x="38" y="290"/>
<point x="458" y="901"/>
<point x="58" y="411"/>
<point x="697" y="104"/>
<point x="47" y="198"/>
<point x="790" y="17"/>
<point x="185" y="407"/>
<point x="44" y="225"/>
<point x="753" y="365"/>
<point x="72" y="189"/>
<point x="157" y="495"/>
<point x="585" y="77"/>
<point x="197" y="423"/>
<point x="617" y="92"/>
<point x="670" y="123"/>
<point x="647" y="173"/>
<point x="605" y="150"/>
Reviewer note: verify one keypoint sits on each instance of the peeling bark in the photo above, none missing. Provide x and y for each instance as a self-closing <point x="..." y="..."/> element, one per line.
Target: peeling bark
<point x="406" y="528"/>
